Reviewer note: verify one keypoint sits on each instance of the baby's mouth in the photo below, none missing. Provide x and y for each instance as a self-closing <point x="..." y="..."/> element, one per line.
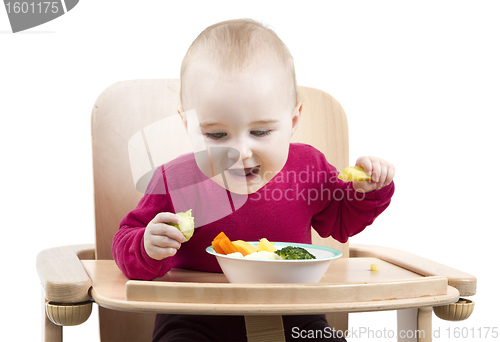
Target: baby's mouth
<point x="248" y="172"/>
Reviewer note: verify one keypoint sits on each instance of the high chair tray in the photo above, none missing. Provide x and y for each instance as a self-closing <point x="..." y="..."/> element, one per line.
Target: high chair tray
<point x="349" y="285"/>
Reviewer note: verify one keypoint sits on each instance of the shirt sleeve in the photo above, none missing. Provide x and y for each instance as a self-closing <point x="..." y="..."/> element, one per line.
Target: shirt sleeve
<point x="347" y="212"/>
<point x="128" y="243"/>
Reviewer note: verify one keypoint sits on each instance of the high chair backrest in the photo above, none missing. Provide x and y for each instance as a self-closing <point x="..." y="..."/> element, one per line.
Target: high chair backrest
<point x="128" y="116"/>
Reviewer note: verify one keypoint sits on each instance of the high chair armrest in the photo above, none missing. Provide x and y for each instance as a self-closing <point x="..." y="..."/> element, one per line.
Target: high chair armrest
<point x="463" y="282"/>
<point x="62" y="275"/>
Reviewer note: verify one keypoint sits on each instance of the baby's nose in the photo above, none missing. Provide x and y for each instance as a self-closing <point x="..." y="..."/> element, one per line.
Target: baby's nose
<point x="242" y="150"/>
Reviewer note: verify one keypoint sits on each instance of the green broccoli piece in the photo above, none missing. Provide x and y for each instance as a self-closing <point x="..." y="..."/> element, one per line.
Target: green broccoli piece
<point x="294" y="253"/>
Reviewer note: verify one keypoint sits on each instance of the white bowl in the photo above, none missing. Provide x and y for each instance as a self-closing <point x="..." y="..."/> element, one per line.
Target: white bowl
<point x="254" y="271"/>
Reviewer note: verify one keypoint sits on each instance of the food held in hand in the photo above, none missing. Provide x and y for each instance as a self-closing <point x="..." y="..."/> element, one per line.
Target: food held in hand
<point x="187" y="224"/>
<point x="294" y="253"/>
<point x="354" y="174"/>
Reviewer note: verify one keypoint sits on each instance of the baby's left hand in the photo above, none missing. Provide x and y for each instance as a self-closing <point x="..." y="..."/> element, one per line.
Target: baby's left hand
<point x="382" y="173"/>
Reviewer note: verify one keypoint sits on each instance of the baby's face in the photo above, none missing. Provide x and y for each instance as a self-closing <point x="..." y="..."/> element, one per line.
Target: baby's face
<point x="251" y="115"/>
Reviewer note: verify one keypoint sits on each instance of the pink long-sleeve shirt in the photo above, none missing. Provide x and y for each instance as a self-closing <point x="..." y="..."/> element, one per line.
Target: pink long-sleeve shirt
<point x="305" y="193"/>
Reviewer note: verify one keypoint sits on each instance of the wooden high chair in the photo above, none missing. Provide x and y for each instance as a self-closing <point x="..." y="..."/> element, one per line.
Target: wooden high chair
<point x="128" y="115"/>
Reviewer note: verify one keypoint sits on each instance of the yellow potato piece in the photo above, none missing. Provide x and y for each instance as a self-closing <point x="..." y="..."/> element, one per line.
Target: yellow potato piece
<point x="265" y="245"/>
<point x="374" y="267"/>
<point x="245" y="246"/>
<point x="354" y="174"/>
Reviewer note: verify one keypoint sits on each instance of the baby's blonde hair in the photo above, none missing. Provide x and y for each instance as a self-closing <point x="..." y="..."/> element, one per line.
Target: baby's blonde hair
<point x="233" y="46"/>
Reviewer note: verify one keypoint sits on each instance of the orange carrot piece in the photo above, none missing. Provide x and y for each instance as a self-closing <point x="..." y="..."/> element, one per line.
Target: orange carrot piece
<point x="217" y="247"/>
<point x="227" y="246"/>
<point x="241" y="250"/>
<point x="220" y="236"/>
<point x="215" y="243"/>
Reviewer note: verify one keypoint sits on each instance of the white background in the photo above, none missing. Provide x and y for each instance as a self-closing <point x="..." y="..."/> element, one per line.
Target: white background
<point x="419" y="82"/>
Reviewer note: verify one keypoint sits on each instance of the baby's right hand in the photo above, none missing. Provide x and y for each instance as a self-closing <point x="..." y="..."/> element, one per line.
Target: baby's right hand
<point x="160" y="239"/>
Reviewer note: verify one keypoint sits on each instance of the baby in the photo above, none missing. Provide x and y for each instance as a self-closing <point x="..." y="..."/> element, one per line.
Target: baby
<point x="240" y="105"/>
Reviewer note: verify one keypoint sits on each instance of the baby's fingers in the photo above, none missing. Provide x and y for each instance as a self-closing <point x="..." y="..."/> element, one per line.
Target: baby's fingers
<point x="163" y="241"/>
<point x="160" y="253"/>
<point x="377" y="171"/>
<point x="383" y="175"/>
<point x="391" y="171"/>
<point x="366" y="164"/>
<point x="166" y="218"/>
<point x="165" y="230"/>
<point x="372" y="167"/>
<point x="381" y="171"/>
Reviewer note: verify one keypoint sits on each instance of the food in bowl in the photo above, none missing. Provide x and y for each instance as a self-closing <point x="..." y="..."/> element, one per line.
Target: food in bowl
<point x="244" y="269"/>
<point x="262" y="255"/>
<point x="265" y="249"/>
<point x="222" y="245"/>
<point x="294" y="253"/>
<point x="265" y="245"/>
<point x="245" y="246"/>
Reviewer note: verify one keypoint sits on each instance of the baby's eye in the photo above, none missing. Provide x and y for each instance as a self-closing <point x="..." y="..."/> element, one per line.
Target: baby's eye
<point x="260" y="133"/>
<point x="216" y="136"/>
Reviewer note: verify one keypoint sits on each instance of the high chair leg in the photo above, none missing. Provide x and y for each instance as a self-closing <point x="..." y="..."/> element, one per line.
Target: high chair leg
<point x="50" y="331"/>
<point x="415" y="325"/>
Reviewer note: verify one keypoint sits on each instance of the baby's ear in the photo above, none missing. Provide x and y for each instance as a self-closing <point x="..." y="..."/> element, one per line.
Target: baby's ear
<point x="296" y="116"/>
<point x="180" y="111"/>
